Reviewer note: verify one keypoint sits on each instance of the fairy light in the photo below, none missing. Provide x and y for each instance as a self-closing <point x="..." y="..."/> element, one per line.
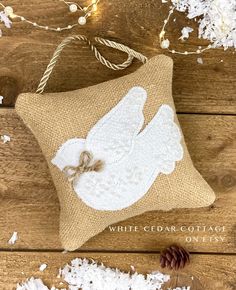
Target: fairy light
<point x="73" y="8"/>
<point x="165" y="43"/>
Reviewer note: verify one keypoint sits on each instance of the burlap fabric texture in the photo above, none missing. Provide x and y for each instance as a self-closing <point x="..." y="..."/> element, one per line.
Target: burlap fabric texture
<point x="55" y="118"/>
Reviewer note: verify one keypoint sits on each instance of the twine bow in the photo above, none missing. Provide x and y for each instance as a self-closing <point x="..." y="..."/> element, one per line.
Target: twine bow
<point x="85" y="165"/>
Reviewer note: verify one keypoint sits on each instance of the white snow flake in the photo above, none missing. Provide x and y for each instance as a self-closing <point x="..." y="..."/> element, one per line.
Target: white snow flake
<point x="13" y="238"/>
<point x="42" y="267"/>
<point x="4" y="18"/>
<point x="185" y="32"/>
<point x="83" y="274"/>
<point x="199" y="60"/>
<point x="5" y="138"/>
<point x="32" y="284"/>
<point x="217" y="19"/>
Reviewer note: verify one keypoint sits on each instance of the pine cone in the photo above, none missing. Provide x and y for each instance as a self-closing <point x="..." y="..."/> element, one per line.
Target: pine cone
<point x="174" y="258"/>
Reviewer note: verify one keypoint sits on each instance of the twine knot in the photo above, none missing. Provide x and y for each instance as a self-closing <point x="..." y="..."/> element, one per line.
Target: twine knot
<point x="86" y="164"/>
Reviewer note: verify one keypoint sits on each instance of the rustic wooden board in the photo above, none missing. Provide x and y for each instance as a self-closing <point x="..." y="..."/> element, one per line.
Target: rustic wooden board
<point x="215" y="272"/>
<point x="25" y="52"/>
<point x="29" y="205"/>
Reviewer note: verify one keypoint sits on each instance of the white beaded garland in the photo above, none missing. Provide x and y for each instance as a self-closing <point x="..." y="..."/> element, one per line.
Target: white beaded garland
<point x="95" y="7"/>
<point x="8" y="10"/>
<point x="73" y="7"/>
<point x="82" y="20"/>
<point x="165" y="43"/>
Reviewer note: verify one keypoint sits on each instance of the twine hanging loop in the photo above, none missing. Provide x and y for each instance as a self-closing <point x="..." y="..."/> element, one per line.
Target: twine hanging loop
<point x="86" y="164"/>
<point x="131" y="54"/>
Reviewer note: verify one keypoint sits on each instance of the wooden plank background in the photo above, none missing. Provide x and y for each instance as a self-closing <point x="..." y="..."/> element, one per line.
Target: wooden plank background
<point x="205" y="98"/>
<point x="25" y="52"/>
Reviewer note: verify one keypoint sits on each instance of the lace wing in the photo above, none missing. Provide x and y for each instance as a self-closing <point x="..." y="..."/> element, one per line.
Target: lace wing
<point x="69" y="152"/>
<point x="161" y="141"/>
<point x="113" y="136"/>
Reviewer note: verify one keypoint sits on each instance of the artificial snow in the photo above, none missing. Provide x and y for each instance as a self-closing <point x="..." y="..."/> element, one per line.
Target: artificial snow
<point x="5" y="138"/>
<point x="13" y="238"/>
<point x="85" y="274"/>
<point x="4" y="18"/>
<point x="199" y="60"/>
<point x="217" y="19"/>
<point x="132" y="268"/>
<point x="42" y="267"/>
<point x="32" y="284"/>
<point x="185" y="32"/>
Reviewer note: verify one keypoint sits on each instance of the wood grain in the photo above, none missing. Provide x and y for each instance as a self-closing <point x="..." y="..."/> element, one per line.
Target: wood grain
<point x="28" y="200"/>
<point x="29" y="205"/>
<point x="215" y="272"/>
<point x="25" y="52"/>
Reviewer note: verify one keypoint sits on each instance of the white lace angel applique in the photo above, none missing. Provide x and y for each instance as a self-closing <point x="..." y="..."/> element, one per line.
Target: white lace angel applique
<point x="132" y="160"/>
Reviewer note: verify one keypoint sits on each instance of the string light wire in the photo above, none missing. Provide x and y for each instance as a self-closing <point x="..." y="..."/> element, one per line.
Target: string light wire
<point x="165" y="43"/>
<point x="73" y="7"/>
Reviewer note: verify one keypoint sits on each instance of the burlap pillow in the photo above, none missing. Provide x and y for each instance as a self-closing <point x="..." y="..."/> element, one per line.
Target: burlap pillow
<point x="157" y="175"/>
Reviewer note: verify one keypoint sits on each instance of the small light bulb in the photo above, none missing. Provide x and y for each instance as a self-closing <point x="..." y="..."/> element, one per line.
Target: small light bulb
<point x="162" y="34"/>
<point x="13" y="16"/>
<point x="95" y="7"/>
